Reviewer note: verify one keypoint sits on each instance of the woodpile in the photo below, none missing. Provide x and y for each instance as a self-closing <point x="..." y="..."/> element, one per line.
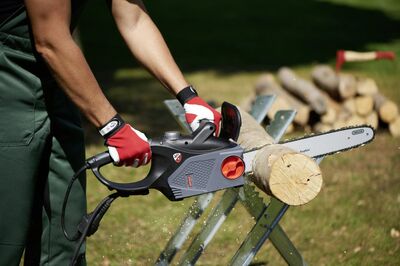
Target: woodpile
<point x="329" y="100"/>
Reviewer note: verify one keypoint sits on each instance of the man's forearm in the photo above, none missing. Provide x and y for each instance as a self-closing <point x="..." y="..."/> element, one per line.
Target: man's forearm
<point x="146" y="43"/>
<point x="73" y="74"/>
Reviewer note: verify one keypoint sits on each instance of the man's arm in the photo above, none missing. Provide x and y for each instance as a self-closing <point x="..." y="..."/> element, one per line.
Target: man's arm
<point x="148" y="46"/>
<point x="146" y="43"/>
<point x="50" y="20"/>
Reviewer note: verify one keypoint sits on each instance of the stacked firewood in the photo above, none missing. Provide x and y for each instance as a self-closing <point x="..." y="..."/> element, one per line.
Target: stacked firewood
<point x="331" y="100"/>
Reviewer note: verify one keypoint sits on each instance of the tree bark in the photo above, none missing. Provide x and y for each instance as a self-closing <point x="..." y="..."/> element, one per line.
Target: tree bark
<point x="326" y="79"/>
<point x="303" y="89"/>
<point x="268" y="85"/>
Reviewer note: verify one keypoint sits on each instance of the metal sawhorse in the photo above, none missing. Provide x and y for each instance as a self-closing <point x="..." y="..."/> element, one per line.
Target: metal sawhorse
<point x="266" y="215"/>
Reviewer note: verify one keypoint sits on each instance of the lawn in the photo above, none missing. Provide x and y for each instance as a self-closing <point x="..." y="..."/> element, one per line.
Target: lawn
<point x="223" y="47"/>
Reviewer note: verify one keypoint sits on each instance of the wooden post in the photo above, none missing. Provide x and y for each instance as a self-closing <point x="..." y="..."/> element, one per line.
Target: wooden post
<point x="291" y="177"/>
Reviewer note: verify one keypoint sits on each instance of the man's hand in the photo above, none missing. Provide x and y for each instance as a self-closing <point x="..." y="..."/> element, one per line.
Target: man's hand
<point x="197" y="109"/>
<point x="126" y="145"/>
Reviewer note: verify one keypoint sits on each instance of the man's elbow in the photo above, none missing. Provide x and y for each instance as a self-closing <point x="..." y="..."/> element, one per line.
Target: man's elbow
<point x="49" y="46"/>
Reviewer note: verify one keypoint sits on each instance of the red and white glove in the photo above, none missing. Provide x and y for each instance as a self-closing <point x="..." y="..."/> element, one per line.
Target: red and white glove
<point x="196" y="109"/>
<point x="126" y="145"/>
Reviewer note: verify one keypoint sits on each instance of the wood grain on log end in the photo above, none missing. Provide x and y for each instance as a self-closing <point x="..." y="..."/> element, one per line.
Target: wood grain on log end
<point x="271" y="164"/>
<point x="293" y="178"/>
<point x="300" y="188"/>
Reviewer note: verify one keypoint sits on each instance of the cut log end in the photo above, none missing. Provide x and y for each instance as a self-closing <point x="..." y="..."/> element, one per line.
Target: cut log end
<point x="364" y="105"/>
<point x="394" y="128"/>
<point x="366" y="86"/>
<point x="294" y="179"/>
<point x="388" y="111"/>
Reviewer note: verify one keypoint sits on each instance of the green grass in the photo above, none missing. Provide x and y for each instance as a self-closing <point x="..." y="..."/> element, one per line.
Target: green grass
<point x="223" y="46"/>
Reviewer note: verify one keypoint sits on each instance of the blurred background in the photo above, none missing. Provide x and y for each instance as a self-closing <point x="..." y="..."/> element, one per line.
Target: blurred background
<point x="223" y="47"/>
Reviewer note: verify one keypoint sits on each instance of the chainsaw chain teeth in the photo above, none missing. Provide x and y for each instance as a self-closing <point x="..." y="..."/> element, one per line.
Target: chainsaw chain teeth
<point x="330" y="131"/>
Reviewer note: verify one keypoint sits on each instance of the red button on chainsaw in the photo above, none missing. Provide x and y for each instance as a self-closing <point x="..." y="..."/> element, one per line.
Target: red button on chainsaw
<point x="232" y="167"/>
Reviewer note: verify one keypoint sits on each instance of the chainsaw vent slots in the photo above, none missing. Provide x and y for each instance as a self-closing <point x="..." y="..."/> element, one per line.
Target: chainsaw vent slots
<point x="198" y="172"/>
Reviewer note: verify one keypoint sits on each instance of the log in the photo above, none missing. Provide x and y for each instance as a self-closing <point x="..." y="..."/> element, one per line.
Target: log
<point x="247" y="102"/>
<point x="264" y="81"/>
<point x="347" y="86"/>
<point x="291" y="177"/>
<point x="372" y="120"/>
<point x="303" y="89"/>
<point x="338" y="86"/>
<point x="343" y="116"/>
<point x="268" y="85"/>
<point x="333" y="110"/>
<point x="394" y="127"/>
<point x="364" y="105"/>
<point x="326" y="79"/>
<point x="340" y="123"/>
<point x="387" y="109"/>
<point x="350" y="106"/>
<point x="355" y="120"/>
<point x="280" y="103"/>
<point x="366" y="86"/>
<point x="322" y="127"/>
<point x="329" y="117"/>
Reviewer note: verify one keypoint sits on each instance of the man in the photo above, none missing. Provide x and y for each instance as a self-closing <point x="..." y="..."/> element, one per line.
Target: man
<point x="43" y="78"/>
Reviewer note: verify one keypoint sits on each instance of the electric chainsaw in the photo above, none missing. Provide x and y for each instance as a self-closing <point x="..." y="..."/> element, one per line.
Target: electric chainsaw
<point x="184" y="166"/>
<point x="187" y="165"/>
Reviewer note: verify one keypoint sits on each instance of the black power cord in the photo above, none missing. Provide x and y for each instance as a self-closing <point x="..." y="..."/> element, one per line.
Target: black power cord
<point x="64" y="206"/>
<point x="90" y="222"/>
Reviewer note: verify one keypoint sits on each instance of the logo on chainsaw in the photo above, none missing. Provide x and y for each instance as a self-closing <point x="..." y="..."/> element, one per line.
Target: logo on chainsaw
<point x="177" y="157"/>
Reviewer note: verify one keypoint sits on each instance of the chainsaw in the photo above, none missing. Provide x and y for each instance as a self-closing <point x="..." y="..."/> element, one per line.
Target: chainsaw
<point x="187" y="165"/>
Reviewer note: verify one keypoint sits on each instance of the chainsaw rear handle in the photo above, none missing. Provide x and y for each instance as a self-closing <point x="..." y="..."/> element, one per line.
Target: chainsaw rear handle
<point x="104" y="158"/>
<point x="162" y="159"/>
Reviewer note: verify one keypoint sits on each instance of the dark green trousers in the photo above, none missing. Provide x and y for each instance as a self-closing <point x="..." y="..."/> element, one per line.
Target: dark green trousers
<point x="41" y="146"/>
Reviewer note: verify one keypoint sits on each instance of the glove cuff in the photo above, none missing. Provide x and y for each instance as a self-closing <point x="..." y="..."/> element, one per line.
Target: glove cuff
<point x="112" y="126"/>
<point x="186" y="94"/>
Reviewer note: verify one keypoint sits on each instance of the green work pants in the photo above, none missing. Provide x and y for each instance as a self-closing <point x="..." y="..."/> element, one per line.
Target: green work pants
<point x="41" y="146"/>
